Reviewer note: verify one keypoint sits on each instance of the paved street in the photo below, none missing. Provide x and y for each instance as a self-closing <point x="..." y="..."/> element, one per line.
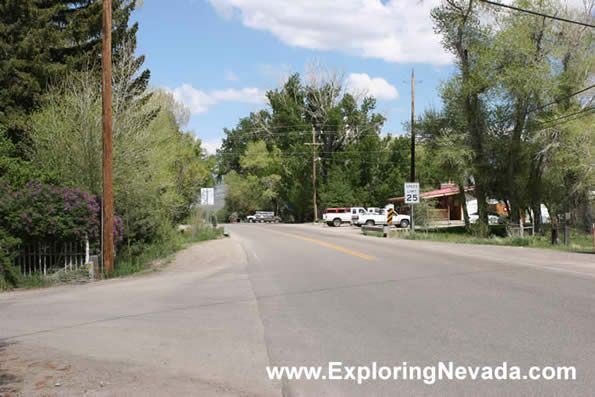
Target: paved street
<point x="306" y="295"/>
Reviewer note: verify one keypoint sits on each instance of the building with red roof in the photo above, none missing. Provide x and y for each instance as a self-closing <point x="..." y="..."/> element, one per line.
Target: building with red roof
<point x="448" y="206"/>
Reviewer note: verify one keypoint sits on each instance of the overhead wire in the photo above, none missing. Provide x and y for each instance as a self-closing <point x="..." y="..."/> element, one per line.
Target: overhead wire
<point x="560" y="99"/>
<point x="566" y="119"/>
<point x="538" y="13"/>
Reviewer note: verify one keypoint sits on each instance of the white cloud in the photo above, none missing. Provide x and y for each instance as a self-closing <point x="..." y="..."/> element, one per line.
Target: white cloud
<point x="394" y="30"/>
<point x="211" y="145"/>
<point x="199" y="101"/>
<point x="245" y="95"/>
<point x="397" y="31"/>
<point x="361" y="83"/>
<point x="231" y="76"/>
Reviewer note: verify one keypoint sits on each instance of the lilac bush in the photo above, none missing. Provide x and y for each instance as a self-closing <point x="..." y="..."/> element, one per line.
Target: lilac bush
<point x="51" y="213"/>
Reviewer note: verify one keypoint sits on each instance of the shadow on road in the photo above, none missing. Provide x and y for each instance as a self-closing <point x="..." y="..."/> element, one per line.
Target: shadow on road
<point x="9" y="383"/>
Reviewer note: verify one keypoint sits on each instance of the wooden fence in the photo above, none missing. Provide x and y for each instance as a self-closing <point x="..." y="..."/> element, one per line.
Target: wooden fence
<point x="438" y="214"/>
<point x="45" y="258"/>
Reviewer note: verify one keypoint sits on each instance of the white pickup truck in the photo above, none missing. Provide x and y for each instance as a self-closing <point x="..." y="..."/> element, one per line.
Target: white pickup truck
<point x="380" y="218"/>
<point x="337" y="216"/>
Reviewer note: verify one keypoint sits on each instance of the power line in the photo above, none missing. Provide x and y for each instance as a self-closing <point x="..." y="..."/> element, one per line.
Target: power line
<point x="264" y="137"/>
<point x="561" y="99"/>
<point x="552" y="123"/>
<point x="302" y="126"/>
<point x="538" y="13"/>
<point x="356" y="152"/>
<point x="262" y="131"/>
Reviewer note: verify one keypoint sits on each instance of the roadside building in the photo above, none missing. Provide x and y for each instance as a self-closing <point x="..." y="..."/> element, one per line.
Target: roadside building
<point x="446" y="204"/>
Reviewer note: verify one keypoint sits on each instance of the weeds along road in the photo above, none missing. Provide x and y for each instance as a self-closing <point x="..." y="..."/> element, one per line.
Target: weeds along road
<point x="290" y="295"/>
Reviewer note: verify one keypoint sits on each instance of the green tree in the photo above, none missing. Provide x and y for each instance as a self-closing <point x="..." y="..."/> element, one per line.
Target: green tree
<point x="352" y="156"/>
<point x="41" y="41"/>
<point x="463" y="35"/>
<point x="258" y="187"/>
<point x="158" y="168"/>
<point x="27" y="35"/>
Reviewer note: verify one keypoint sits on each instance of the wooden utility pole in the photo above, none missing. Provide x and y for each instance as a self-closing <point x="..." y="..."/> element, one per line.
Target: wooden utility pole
<point x="412" y="125"/>
<point x="108" y="189"/>
<point x="314" y="144"/>
<point x="412" y="224"/>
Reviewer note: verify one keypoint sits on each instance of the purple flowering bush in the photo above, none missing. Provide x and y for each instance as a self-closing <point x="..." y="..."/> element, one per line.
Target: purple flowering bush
<point x="48" y="212"/>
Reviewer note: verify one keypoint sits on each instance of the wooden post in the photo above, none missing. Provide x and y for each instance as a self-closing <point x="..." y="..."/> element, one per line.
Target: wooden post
<point x="566" y="229"/>
<point x="412" y="223"/>
<point x="412" y="127"/>
<point x="108" y="192"/>
<point x="314" y="144"/>
<point x="314" y="173"/>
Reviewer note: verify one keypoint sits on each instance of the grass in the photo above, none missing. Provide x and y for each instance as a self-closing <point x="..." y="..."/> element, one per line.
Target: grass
<point x="162" y="252"/>
<point x="38" y="280"/>
<point x="580" y="241"/>
<point x="374" y="234"/>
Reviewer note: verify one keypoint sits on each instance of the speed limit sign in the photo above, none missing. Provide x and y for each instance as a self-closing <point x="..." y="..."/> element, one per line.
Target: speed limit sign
<point x="412" y="193"/>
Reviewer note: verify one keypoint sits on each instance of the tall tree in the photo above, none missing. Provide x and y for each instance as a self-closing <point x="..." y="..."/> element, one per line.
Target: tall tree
<point x="463" y="35"/>
<point x="28" y="32"/>
<point x="43" y="40"/>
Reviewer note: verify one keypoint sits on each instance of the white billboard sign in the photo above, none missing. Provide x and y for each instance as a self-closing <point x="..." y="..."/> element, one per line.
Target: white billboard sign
<point x="207" y="196"/>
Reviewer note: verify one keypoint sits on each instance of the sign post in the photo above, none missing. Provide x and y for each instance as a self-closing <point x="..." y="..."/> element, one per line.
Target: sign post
<point x="412" y="197"/>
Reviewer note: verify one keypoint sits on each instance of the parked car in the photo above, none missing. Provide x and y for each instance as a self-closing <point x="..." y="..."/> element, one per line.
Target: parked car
<point x="263" y="217"/>
<point x="380" y="218"/>
<point x="493" y="218"/>
<point x="337" y="216"/>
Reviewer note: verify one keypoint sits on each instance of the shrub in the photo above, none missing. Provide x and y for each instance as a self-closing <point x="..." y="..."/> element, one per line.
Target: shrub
<point x="9" y="274"/>
<point x="42" y="212"/>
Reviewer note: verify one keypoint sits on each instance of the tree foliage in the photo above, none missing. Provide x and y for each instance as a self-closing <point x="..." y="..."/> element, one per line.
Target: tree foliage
<point x="355" y="164"/>
<point x="43" y="41"/>
<point x="515" y="80"/>
<point x="158" y="169"/>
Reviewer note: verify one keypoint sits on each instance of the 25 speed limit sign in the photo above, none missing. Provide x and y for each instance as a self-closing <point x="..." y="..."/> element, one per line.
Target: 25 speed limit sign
<point x="412" y="193"/>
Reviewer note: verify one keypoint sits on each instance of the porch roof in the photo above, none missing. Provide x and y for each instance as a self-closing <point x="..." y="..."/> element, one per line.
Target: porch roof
<point x="444" y="192"/>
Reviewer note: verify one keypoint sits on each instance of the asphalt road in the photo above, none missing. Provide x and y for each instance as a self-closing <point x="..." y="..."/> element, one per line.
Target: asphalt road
<point x="282" y="295"/>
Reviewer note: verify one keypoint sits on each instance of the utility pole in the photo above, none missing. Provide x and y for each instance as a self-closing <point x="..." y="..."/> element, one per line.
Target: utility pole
<point x="412" y="139"/>
<point x="314" y="144"/>
<point x="412" y="125"/>
<point x="108" y="189"/>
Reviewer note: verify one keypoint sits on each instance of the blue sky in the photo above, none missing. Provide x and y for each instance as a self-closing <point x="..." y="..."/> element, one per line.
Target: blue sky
<point x="220" y="56"/>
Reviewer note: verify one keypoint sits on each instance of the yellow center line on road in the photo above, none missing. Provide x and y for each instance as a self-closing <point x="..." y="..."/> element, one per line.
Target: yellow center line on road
<point x="327" y="245"/>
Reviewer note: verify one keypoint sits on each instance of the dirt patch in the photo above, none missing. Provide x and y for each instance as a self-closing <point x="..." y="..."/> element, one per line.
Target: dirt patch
<point x="35" y="371"/>
<point x="11" y="379"/>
